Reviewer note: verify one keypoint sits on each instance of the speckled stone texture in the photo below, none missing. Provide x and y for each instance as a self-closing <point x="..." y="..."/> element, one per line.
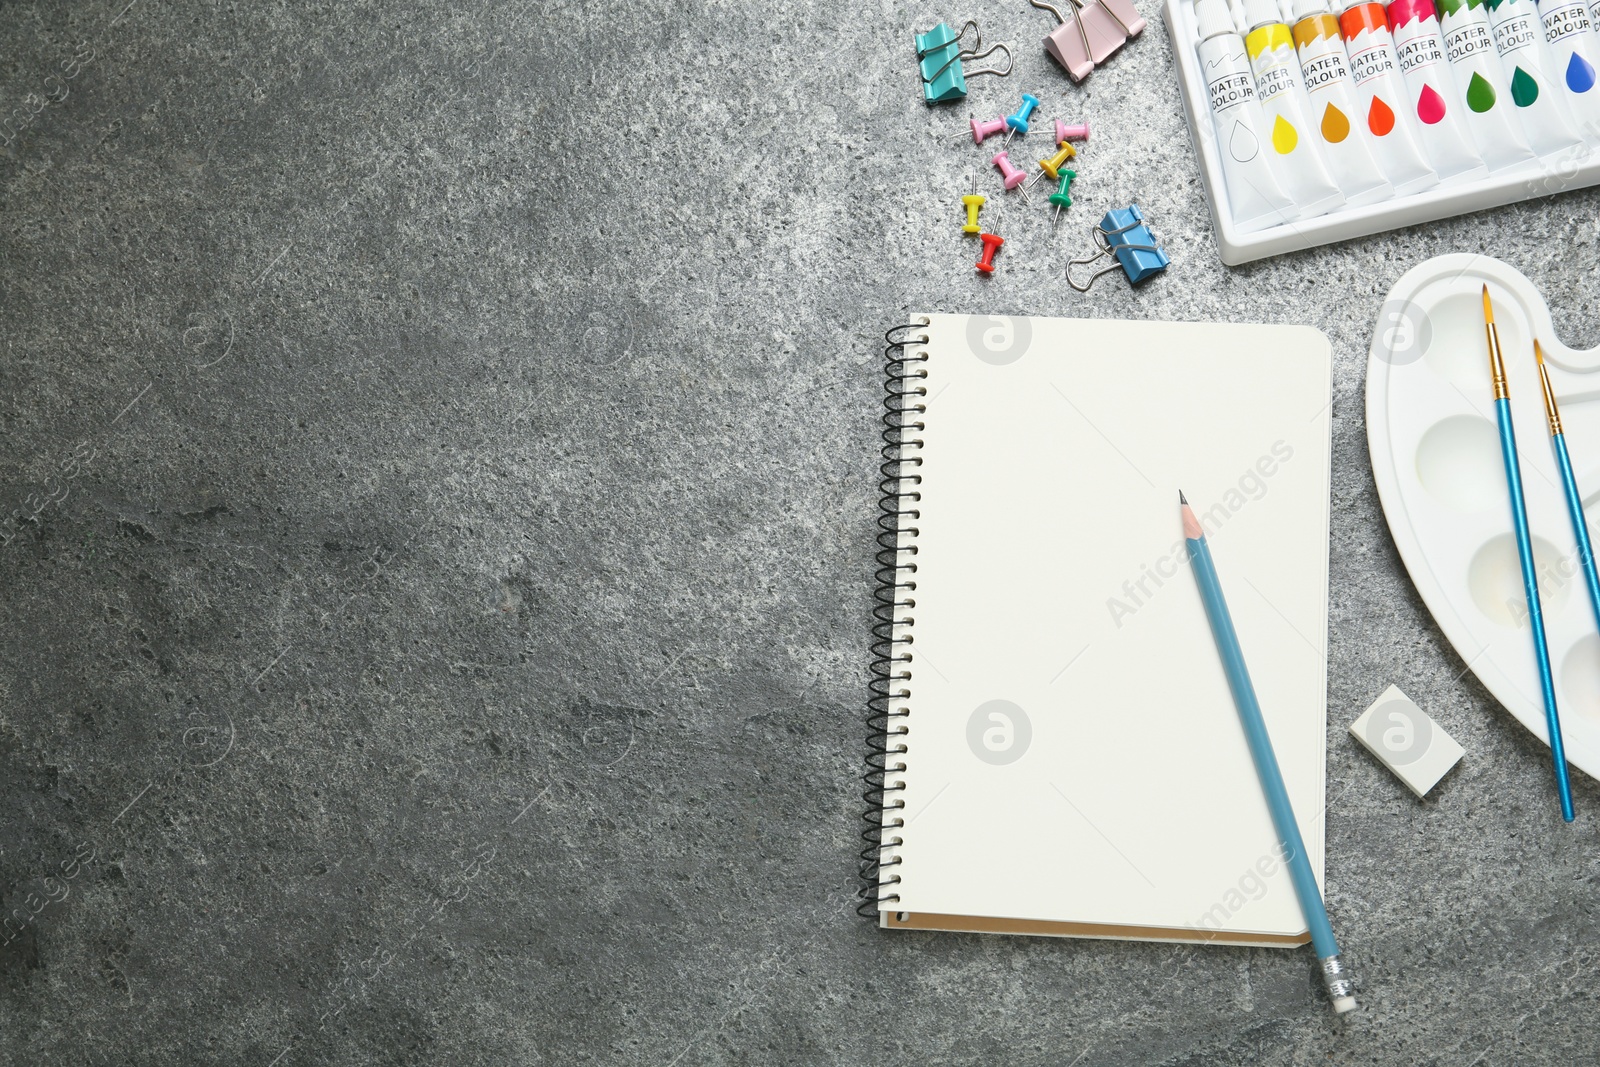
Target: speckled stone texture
<point x="445" y="441"/>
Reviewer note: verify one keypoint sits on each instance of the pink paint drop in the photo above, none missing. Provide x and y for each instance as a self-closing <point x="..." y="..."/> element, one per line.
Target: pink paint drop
<point x="1430" y="105"/>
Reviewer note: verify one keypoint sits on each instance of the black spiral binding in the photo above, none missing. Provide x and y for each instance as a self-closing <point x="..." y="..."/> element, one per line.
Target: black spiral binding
<point x="891" y="659"/>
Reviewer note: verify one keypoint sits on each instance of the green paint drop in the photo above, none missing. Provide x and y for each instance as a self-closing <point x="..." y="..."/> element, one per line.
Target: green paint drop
<point x="1524" y="90"/>
<point x="1480" y="94"/>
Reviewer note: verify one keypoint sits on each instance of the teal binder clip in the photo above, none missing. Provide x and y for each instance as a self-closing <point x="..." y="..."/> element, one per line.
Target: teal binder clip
<point x="940" y="56"/>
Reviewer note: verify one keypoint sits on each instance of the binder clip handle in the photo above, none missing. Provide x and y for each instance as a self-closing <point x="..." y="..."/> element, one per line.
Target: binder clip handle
<point x="1086" y="286"/>
<point x="1104" y="247"/>
<point x="930" y="41"/>
<point x="963" y="57"/>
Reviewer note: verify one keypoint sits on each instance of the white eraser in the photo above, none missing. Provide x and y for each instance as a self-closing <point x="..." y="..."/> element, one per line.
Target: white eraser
<point x="1409" y="743"/>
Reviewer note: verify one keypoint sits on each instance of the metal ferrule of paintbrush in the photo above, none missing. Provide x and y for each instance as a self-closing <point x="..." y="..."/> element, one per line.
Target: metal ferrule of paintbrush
<point x="1551" y="412"/>
<point x="1497" y="365"/>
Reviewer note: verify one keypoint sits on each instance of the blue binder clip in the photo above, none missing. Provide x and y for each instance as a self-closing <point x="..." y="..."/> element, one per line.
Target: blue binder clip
<point x="1124" y="236"/>
<point x="940" y="56"/>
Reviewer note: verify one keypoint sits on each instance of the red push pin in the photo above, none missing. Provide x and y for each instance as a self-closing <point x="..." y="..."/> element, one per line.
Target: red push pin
<point x="1065" y="133"/>
<point x="982" y="131"/>
<point x="991" y="245"/>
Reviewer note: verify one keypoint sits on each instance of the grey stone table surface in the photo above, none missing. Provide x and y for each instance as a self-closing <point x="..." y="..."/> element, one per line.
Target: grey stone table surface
<point x="436" y="622"/>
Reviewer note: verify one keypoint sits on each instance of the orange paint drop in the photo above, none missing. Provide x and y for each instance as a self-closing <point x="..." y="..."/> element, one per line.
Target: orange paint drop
<point x="1380" y="117"/>
<point x="1335" y="127"/>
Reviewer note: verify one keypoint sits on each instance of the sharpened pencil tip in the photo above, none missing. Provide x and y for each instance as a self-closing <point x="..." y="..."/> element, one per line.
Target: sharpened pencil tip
<point x="1192" y="530"/>
<point x="1488" y="308"/>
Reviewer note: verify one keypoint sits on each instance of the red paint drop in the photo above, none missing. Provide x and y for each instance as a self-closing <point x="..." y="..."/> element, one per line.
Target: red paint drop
<point x="1430" y="105"/>
<point x="1380" y="117"/>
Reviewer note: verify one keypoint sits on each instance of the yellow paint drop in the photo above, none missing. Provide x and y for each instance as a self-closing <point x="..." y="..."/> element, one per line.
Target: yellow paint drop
<point x="1335" y="127"/>
<point x="1284" y="137"/>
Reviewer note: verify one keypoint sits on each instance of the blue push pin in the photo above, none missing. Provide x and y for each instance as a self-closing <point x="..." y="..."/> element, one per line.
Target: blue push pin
<point x="1017" y="121"/>
<point x="1124" y="236"/>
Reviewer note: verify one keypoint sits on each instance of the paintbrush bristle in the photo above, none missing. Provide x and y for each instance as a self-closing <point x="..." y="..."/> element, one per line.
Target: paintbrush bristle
<point x="1538" y="353"/>
<point x="1488" y="308"/>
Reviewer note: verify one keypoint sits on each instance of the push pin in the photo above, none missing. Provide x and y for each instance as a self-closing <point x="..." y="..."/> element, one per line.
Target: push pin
<point x="982" y="131"/>
<point x="1011" y="175"/>
<point x="1123" y="236"/>
<point x="1103" y="26"/>
<point x="1062" y="197"/>
<point x="940" y="56"/>
<point x="1051" y="168"/>
<point x="1018" y="119"/>
<point x="1065" y="133"/>
<point x="991" y="245"/>
<point x="972" y="202"/>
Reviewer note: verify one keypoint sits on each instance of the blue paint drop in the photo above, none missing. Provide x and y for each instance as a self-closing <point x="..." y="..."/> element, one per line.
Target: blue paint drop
<point x="1580" y="74"/>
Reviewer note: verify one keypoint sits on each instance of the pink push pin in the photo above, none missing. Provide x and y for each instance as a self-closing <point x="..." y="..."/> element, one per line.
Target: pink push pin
<point x="1011" y="175"/>
<point x="981" y="131"/>
<point x="1065" y="133"/>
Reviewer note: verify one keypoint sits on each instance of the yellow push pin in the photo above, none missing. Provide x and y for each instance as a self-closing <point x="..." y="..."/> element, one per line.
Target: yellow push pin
<point x="1052" y="166"/>
<point x="972" y="202"/>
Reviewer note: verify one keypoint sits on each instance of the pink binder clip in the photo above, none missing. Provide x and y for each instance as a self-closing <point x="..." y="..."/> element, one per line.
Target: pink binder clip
<point x="1100" y="27"/>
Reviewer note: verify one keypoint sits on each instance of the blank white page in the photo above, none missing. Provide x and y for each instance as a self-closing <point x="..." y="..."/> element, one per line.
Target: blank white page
<point x="1051" y="575"/>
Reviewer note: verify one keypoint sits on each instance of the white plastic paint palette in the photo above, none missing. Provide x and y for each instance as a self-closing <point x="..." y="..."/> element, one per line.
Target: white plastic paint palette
<point x="1435" y="448"/>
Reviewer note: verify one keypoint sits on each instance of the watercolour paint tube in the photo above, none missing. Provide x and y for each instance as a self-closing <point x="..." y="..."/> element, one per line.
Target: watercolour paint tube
<point x="1573" y="50"/>
<point x="1481" y="84"/>
<point x="1325" y="75"/>
<point x="1519" y="38"/>
<point x="1434" y="100"/>
<point x="1255" y="195"/>
<point x="1292" y="141"/>
<point x="1383" y="98"/>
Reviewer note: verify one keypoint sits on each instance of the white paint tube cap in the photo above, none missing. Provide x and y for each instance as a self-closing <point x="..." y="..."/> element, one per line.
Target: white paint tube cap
<point x="1261" y="13"/>
<point x="1212" y="18"/>
<point x="1307" y="8"/>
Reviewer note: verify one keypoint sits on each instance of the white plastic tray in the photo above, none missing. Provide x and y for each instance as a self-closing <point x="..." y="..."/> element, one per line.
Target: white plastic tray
<point x="1435" y="449"/>
<point x="1573" y="169"/>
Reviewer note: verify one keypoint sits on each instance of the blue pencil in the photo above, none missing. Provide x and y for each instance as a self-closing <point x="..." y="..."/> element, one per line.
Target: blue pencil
<point x="1341" y="989"/>
<point x="1530" y="576"/>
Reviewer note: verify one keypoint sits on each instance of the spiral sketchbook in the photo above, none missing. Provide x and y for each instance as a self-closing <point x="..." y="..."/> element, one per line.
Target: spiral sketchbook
<point x="1054" y="748"/>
